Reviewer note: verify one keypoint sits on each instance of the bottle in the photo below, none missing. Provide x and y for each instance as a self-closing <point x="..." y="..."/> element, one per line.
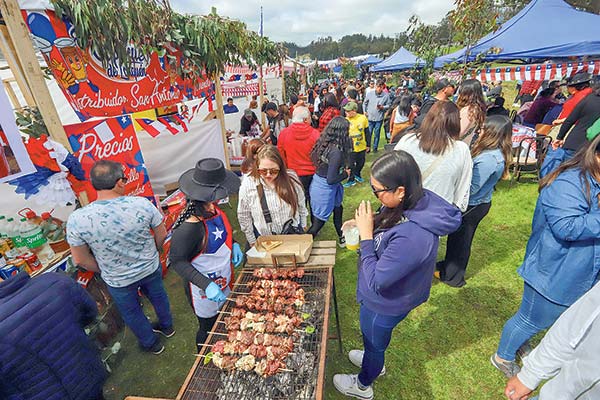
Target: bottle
<point x="13" y="232"/>
<point x="35" y="241"/>
<point x="48" y="225"/>
<point x="3" y="227"/>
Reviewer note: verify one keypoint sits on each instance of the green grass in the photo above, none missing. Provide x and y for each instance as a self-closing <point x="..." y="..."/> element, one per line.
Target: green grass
<point x="442" y="349"/>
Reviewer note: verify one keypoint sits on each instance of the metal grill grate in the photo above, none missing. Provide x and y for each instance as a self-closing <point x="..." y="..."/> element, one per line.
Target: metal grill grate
<point x="207" y="382"/>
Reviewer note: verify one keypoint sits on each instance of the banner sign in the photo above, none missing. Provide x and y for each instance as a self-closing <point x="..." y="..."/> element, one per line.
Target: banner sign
<point x="111" y="139"/>
<point x="538" y="72"/>
<point x="96" y="91"/>
<point x="14" y="159"/>
<point x="243" y="81"/>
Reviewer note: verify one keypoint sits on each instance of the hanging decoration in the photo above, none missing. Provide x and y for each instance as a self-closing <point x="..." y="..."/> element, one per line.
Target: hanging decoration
<point x="111" y="139"/>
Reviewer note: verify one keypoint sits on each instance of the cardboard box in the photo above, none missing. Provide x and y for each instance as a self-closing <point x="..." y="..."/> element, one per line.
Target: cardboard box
<point x="298" y="245"/>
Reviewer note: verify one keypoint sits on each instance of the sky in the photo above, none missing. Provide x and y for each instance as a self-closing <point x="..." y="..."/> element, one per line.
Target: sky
<point x="304" y="21"/>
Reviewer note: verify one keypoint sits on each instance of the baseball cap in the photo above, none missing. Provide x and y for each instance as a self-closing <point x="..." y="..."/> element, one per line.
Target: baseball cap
<point x="351" y="106"/>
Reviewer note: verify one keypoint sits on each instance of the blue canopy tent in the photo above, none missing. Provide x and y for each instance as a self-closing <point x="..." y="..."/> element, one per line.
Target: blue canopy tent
<point x="371" y="60"/>
<point x="402" y="59"/>
<point x="534" y="33"/>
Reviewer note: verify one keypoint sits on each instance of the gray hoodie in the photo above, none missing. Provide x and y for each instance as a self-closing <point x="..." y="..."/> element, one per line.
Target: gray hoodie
<point x="372" y="100"/>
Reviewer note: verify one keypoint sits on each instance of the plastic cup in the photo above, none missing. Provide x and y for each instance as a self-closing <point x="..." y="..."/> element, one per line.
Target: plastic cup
<point x="352" y="238"/>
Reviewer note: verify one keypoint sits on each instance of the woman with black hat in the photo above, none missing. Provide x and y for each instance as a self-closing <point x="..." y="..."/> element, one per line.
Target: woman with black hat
<point x="202" y="247"/>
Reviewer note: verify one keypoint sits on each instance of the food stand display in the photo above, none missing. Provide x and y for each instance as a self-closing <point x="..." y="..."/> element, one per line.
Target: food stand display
<point x="301" y="373"/>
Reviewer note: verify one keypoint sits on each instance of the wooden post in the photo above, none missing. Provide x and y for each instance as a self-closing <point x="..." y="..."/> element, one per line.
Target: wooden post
<point x="19" y="35"/>
<point x="283" y="94"/>
<point x="261" y="92"/>
<point x="221" y="117"/>
<point x="11" y="93"/>
<point x="8" y="49"/>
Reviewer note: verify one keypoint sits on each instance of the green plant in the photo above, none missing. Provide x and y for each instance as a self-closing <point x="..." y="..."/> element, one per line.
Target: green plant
<point x="30" y="122"/>
<point x="208" y="42"/>
<point x="292" y="83"/>
<point x="349" y="70"/>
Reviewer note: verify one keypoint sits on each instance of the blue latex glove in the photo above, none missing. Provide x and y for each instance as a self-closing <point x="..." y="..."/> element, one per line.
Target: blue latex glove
<point x="214" y="293"/>
<point x="236" y="255"/>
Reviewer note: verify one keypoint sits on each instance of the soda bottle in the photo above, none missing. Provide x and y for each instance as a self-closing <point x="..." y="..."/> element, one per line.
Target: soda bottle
<point x="3" y="227"/>
<point x="13" y="231"/>
<point x="49" y="227"/>
<point x="35" y="241"/>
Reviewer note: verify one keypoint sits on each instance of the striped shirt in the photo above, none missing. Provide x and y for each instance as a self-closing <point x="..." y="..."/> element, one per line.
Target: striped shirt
<point x="250" y="213"/>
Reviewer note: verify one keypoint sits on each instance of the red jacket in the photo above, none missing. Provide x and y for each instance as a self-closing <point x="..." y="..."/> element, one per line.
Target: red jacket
<point x="295" y="144"/>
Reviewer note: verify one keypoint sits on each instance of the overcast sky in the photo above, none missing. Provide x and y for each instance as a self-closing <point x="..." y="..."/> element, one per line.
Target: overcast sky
<point x="303" y="21"/>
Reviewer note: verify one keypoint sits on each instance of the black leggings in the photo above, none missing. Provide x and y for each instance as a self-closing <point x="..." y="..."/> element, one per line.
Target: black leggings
<point x="205" y="325"/>
<point x="318" y="224"/>
<point x="357" y="162"/>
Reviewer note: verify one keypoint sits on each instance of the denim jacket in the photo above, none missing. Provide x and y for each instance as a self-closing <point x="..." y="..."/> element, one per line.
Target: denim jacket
<point x="488" y="168"/>
<point x="562" y="258"/>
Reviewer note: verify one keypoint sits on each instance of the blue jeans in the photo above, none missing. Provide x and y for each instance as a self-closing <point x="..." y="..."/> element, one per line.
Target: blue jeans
<point x="374" y="133"/>
<point x="535" y="314"/>
<point x="128" y="302"/>
<point x="377" y="332"/>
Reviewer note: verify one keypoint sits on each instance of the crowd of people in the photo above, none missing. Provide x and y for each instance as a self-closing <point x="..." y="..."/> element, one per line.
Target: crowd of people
<point x="443" y="158"/>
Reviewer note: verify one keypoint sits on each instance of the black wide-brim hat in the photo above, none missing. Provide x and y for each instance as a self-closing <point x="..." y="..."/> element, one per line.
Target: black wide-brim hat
<point x="209" y="181"/>
<point x="581" y="77"/>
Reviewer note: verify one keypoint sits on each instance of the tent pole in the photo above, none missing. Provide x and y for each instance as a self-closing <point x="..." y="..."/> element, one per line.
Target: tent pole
<point x="7" y="48"/>
<point x="221" y="117"/>
<point x="283" y="94"/>
<point x="19" y="35"/>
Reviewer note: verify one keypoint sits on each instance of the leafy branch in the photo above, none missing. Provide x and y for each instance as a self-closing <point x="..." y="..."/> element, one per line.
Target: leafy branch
<point x="208" y="43"/>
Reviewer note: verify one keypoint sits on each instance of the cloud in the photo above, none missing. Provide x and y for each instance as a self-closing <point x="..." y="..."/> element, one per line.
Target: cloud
<point x="304" y="21"/>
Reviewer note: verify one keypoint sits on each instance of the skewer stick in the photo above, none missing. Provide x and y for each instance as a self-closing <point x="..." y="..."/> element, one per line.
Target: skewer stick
<point x="225" y="334"/>
<point x="253" y="312"/>
<point x="280" y="369"/>
<point x="234" y="300"/>
<point x="249" y="294"/>
<point x="211" y="345"/>
<point x="301" y="285"/>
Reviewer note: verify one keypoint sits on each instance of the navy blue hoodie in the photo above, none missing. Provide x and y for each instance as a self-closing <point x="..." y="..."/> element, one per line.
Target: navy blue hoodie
<point x="395" y="269"/>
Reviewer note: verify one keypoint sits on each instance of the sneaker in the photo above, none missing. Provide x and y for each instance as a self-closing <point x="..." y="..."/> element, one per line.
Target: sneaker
<point x="524" y="350"/>
<point x="359" y="179"/>
<point x="508" y="368"/>
<point x="342" y="242"/>
<point x="349" y="184"/>
<point x="166" y="332"/>
<point x="156" y="348"/>
<point x="348" y="386"/>
<point x="356" y="358"/>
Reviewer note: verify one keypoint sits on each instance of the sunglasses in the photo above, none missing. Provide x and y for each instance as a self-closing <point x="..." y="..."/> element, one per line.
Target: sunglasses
<point x="268" y="171"/>
<point x="377" y="191"/>
<point x="124" y="179"/>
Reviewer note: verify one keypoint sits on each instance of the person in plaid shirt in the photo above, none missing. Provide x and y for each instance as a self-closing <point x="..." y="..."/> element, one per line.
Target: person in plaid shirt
<point x="331" y="109"/>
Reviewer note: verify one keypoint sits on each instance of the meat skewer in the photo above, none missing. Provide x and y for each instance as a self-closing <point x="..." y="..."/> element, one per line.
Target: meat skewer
<point x="263" y="367"/>
<point x="277" y="273"/>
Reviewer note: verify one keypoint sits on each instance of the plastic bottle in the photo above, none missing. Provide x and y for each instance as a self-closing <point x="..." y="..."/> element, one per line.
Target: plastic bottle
<point x="13" y="231"/>
<point x="35" y="241"/>
<point x="3" y="227"/>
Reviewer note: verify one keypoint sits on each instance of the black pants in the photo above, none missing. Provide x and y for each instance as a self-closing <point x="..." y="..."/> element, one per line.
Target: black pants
<point x="306" y="180"/>
<point x="458" y="250"/>
<point x="205" y="325"/>
<point x="318" y="224"/>
<point x="357" y="162"/>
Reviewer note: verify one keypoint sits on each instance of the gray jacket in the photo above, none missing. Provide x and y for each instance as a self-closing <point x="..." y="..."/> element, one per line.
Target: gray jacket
<point x="569" y="354"/>
<point x="372" y="100"/>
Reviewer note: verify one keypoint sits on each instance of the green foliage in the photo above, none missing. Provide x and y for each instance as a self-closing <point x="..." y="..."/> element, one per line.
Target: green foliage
<point x="208" y="42"/>
<point x="349" y="70"/>
<point x="30" y="122"/>
<point x="292" y="83"/>
<point x="348" y="46"/>
<point x="423" y="41"/>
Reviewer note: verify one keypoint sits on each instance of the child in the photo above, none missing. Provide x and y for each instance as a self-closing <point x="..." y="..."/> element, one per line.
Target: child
<point x="359" y="132"/>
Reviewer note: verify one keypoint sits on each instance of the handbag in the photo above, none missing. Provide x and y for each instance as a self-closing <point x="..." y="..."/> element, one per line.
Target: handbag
<point x="288" y="227"/>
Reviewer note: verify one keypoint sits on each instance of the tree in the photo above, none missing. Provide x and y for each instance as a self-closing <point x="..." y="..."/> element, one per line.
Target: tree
<point x="349" y="70"/>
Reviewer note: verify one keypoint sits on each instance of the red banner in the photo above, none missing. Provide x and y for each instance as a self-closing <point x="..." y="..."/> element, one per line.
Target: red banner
<point x="95" y="91"/>
<point x="111" y="139"/>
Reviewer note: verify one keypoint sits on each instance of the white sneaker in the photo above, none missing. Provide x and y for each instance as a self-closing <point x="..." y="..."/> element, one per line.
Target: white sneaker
<point x="356" y="358"/>
<point x="348" y="386"/>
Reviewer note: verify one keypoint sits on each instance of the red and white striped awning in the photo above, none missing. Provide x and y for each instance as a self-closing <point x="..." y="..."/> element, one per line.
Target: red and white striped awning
<point x="537" y="72"/>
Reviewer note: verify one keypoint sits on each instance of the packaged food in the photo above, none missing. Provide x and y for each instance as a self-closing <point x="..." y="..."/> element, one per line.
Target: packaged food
<point x="32" y="261"/>
<point x="8" y="270"/>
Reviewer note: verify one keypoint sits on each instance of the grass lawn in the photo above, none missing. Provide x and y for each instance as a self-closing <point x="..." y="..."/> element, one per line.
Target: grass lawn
<point x="441" y="351"/>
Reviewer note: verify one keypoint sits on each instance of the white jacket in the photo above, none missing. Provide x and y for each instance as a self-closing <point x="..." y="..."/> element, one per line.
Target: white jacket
<point x="569" y="354"/>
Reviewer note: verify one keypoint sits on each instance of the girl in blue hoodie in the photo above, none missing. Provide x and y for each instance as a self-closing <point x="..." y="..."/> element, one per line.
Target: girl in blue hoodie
<point x="398" y="252"/>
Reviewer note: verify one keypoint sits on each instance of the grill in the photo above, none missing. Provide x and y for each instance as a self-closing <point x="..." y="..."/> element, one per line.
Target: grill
<point x="306" y="366"/>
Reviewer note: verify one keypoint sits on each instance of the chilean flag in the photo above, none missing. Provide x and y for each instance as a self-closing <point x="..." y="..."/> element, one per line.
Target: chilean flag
<point x="154" y="128"/>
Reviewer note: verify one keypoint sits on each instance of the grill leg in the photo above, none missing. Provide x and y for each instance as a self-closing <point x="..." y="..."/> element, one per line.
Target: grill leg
<point x="337" y="317"/>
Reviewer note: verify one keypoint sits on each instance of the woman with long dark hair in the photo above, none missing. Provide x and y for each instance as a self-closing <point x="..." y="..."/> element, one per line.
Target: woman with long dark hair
<point x="330" y="157"/>
<point x="331" y="109"/>
<point x="444" y="161"/>
<point x="561" y="259"/>
<point x="403" y="117"/>
<point x="472" y="108"/>
<point x="398" y="249"/>
<point x="492" y="153"/>
<point x="282" y="193"/>
<point x="202" y="250"/>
